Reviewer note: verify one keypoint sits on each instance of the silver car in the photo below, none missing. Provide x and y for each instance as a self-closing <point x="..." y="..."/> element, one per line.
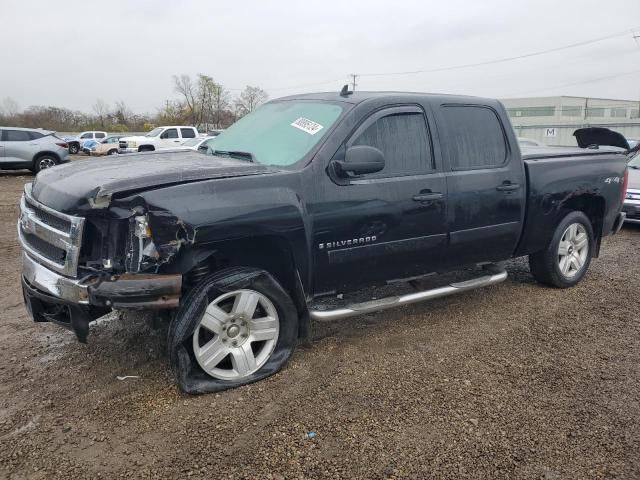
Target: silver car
<point x="31" y="148"/>
<point x="632" y="200"/>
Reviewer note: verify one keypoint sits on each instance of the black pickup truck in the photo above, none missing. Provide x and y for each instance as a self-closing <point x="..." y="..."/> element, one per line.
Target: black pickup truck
<point x="307" y="196"/>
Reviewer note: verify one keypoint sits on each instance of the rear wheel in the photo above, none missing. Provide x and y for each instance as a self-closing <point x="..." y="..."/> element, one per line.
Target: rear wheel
<point x="236" y="327"/>
<point x="566" y="259"/>
<point x="43" y="162"/>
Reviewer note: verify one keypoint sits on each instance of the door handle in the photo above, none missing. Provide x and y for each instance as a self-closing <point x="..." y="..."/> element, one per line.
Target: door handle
<point x="428" y="196"/>
<point x="508" y="187"/>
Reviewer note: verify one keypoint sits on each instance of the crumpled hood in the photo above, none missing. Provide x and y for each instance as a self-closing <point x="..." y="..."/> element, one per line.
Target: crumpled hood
<point x="84" y="184"/>
<point x="600" y="136"/>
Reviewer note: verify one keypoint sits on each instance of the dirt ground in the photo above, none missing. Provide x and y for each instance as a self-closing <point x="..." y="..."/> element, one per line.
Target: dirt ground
<point x="513" y="381"/>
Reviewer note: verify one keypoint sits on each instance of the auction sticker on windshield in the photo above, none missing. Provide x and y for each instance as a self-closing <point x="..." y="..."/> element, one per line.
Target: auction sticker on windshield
<point x="307" y="125"/>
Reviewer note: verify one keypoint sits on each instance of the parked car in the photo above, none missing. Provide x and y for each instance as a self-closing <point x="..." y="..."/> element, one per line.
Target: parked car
<point x="528" y="142"/>
<point x="307" y="195"/>
<point x="107" y="146"/>
<point x="632" y="200"/>
<point x="160" y="138"/>
<point x="633" y="142"/>
<point x="34" y="149"/>
<point x="75" y="143"/>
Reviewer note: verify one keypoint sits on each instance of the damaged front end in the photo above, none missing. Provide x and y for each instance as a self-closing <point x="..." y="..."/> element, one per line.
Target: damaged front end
<point x="76" y="269"/>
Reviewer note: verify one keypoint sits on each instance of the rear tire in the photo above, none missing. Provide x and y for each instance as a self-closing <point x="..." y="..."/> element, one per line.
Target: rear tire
<point x="235" y="327"/>
<point x="566" y="259"/>
<point x="43" y="162"/>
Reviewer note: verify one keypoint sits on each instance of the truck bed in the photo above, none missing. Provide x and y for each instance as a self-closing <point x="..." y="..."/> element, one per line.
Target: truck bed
<point x="565" y="177"/>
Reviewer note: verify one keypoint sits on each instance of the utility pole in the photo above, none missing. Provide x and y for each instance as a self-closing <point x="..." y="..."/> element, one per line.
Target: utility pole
<point x="353" y="81"/>
<point x="586" y="108"/>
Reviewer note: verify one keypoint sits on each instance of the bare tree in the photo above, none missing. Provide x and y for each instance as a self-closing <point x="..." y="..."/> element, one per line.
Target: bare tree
<point x="9" y="107"/>
<point x="221" y="103"/>
<point x="122" y="113"/>
<point x="249" y="99"/>
<point x="206" y="94"/>
<point x="101" y="108"/>
<point x="184" y="86"/>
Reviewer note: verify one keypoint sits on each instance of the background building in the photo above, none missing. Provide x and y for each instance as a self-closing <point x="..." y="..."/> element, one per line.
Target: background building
<point x="552" y="120"/>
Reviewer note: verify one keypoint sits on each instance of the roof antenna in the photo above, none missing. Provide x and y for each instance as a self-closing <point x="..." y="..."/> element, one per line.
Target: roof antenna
<point x="345" y="92"/>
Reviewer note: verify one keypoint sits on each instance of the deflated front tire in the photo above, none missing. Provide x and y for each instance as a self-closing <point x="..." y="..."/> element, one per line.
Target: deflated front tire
<point x="235" y="327"/>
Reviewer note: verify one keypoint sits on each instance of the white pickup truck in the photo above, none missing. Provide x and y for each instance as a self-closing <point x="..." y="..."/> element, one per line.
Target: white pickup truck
<point x="160" y="138"/>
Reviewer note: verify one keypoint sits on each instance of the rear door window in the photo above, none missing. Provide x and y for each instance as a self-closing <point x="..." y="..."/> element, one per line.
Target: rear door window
<point x="35" y="135"/>
<point x="187" y="133"/>
<point x="475" y="137"/>
<point x="403" y="138"/>
<point x="16" y="136"/>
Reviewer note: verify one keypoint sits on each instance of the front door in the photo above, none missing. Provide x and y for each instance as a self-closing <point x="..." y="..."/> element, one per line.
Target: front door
<point x="386" y="225"/>
<point x="169" y="138"/>
<point x="17" y="145"/>
<point x="485" y="185"/>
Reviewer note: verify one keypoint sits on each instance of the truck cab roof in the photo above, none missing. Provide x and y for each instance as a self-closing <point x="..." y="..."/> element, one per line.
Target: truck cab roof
<point x="361" y="96"/>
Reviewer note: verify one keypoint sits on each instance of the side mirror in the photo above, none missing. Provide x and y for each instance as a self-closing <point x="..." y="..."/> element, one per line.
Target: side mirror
<point x="360" y="160"/>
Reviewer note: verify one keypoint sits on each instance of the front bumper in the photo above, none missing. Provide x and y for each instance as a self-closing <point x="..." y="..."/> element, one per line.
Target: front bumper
<point x="632" y="210"/>
<point x="74" y="303"/>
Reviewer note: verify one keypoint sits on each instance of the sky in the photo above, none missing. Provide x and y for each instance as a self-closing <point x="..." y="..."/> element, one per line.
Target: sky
<point x="69" y="53"/>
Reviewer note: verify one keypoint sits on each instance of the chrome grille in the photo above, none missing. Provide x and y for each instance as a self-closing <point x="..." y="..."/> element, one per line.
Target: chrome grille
<point x="50" y="237"/>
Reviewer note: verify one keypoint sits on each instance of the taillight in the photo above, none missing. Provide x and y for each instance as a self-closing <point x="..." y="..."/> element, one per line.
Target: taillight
<point x="625" y="184"/>
<point x="63" y="145"/>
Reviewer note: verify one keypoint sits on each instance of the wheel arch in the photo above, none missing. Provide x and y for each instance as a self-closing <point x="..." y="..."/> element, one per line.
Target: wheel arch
<point x="43" y="153"/>
<point x="273" y="253"/>
<point x="545" y="214"/>
<point x="593" y="206"/>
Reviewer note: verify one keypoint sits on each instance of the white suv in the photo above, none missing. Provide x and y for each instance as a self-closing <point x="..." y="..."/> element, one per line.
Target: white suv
<point x="160" y="138"/>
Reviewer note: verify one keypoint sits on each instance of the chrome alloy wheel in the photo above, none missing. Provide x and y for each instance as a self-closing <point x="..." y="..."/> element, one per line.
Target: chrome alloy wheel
<point x="573" y="250"/>
<point x="236" y="335"/>
<point x="46" y="162"/>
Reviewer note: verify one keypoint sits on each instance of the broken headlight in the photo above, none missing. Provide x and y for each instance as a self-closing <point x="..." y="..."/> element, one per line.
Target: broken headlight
<point x="141" y="251"/>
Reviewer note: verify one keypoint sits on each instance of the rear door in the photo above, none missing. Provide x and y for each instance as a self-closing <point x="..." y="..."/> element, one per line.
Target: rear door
<point x="485" y="184"/>
<point x="385" y="225"/>
<point x="186" y="134"/>
<point x="2" y="157"/>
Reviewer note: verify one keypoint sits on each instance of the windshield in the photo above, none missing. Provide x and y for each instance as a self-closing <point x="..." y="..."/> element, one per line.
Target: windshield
<point x="279" y="133"/>
<point x="154" y="133"/>
<point x="192" y="142"/>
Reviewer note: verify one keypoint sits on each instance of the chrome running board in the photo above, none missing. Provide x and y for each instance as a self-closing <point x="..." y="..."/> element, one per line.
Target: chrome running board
<point x="496" y="274"/>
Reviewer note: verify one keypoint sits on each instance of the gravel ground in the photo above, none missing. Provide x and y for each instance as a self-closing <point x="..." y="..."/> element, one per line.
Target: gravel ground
<point x="512" y="381"/>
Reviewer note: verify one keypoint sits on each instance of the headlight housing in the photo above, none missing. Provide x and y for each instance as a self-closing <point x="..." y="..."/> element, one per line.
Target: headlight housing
<point x="141" y="251"/>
